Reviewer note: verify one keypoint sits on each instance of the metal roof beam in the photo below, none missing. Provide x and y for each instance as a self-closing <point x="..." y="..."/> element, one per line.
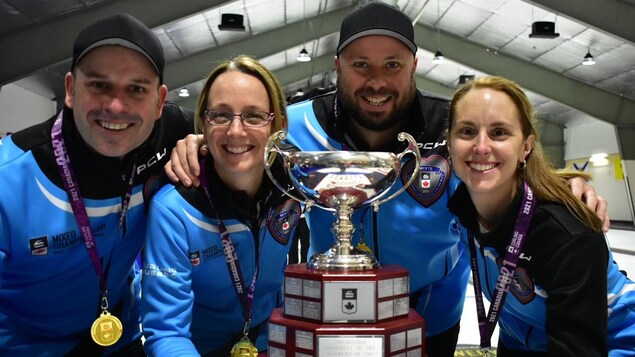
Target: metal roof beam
<point x="193" y="68"/>
<point x="596" y="102"/>
<point x="42" y="45"/>
<point x="614" y="17"/>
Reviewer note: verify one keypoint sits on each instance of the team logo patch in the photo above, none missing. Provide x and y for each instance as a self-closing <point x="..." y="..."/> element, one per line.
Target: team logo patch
<point x="522" y="286"/>
<point x="349" y="301"/>
<point x="39" y="246"/>
<point x="195" y="258"/>
<point x="434" y="175"/>
<point x="283" y="219"/>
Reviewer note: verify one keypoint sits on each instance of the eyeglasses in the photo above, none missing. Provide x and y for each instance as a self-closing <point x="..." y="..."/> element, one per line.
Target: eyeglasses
<point x="253" y="119"/>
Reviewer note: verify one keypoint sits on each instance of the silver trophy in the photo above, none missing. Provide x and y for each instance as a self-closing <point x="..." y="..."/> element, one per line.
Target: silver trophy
<point x="341" y="182"/>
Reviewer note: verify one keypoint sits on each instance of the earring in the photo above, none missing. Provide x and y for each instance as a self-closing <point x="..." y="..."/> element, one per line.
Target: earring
<point x="522" y="165"/>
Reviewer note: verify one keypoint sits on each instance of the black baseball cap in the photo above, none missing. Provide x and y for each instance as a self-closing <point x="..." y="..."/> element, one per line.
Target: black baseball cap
<point x="123" y="30"/>
<point x="377" y="18"/>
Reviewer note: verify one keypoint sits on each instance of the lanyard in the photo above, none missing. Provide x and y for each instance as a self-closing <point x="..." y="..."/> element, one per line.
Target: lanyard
<point x="71" y="187"/>
<point x="233" y="265"/>
<point x="486" y="324"/>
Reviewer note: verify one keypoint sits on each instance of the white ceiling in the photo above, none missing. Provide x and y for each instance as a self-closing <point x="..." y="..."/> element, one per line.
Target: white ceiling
<point x="476" y="36"/>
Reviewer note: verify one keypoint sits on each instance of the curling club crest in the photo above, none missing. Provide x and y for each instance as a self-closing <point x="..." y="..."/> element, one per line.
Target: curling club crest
<point x="434" y="175"/>
<point x="283" y="219"/>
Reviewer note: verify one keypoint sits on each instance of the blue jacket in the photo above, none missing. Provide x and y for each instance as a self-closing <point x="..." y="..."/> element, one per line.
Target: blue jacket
<point x="414" y="230"/>
<point x="190" y="306"/>
<point x="567" y="297"/>
<point x="49" y="290"/>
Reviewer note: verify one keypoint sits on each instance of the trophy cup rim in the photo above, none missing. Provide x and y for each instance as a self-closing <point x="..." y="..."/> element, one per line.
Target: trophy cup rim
<point x="351" y="185"/>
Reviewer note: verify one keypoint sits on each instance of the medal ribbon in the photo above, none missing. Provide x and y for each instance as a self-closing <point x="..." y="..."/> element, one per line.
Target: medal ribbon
<point x="487" y="323"/>
<point x="233" y="265"/>
<point x="71" y="187"/>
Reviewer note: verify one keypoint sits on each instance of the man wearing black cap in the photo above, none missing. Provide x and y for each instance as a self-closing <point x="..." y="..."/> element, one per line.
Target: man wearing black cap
<point x="375" y="99"/>
<point x="72" y="214"/>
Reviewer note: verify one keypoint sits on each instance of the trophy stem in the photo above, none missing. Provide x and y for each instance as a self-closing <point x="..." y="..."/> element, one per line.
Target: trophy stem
<point x="342" y="255"/>
<point x="343" y="229"/>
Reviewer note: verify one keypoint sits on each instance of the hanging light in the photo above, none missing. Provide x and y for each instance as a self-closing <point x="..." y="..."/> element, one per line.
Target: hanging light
<point x="184" y="93"/>
<point x="588" y="59"/>
<point x="304" y="56"/>
<point x="438" y="56"/>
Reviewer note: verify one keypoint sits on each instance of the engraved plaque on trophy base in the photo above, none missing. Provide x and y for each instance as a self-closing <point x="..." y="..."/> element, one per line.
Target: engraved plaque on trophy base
<point x="335" y="296"/>
<point x="295" y="338"/>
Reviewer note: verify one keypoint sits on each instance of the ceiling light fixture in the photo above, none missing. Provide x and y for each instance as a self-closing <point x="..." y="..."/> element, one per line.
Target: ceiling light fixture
<point x="464" y="78"/>
<point x="304" y="54"/>
<point x="438" y="56"/>
<point x="231" y="22"/>
<point x="588" y="59"/>
<point x="184" y="93"/>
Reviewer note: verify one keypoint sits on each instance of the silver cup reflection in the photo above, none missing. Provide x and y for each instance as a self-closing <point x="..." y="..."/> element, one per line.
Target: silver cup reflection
<point x="341" y="182"/>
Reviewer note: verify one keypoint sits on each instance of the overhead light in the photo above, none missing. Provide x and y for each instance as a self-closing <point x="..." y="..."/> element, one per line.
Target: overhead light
<point x="183" y="92"/>
<point x="438" y="58"/>
<point x="304" y="56"/>
<point x="543" y="29"/>
<point x="600" y="159"/>
<point x="464" y="78"/>
<point x="588" y="59"/>
<point x="231" y="22"/>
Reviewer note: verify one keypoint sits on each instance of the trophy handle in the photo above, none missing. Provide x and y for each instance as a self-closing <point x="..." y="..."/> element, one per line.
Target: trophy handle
<point x="411" y="149"/>
<point x="273" y="147"/>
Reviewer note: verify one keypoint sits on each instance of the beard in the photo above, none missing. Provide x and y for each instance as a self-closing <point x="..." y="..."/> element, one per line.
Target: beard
<point x="378" y="121"/>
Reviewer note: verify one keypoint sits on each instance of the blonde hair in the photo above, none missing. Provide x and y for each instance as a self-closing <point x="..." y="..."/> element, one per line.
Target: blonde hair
<point x="547" y="183"/>
<point x="251" y="66"/>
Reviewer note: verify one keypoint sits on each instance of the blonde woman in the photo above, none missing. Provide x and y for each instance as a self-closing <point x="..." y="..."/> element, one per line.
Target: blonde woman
<point x="538" y="253"/>
<point x="215" y="255"/>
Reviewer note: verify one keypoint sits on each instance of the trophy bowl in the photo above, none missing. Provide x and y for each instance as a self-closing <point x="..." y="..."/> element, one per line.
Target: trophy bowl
<point x="341" y="182"/>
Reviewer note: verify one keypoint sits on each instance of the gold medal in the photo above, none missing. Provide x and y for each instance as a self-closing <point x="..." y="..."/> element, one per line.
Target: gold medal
<point x="106" y="329"/>
<point x="244" y="348"/>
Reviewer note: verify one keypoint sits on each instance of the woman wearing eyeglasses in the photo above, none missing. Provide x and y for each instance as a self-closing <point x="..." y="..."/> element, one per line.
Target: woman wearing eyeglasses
<point x="215" y="255"/>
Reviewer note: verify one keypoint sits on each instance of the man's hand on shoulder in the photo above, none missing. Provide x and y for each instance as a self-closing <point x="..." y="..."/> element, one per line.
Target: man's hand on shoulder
<point x="183" y="165"/>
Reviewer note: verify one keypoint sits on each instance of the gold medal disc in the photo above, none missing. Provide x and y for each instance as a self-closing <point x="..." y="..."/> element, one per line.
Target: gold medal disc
<point x="106" y="329"/>
<point x="244" y="348"/>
